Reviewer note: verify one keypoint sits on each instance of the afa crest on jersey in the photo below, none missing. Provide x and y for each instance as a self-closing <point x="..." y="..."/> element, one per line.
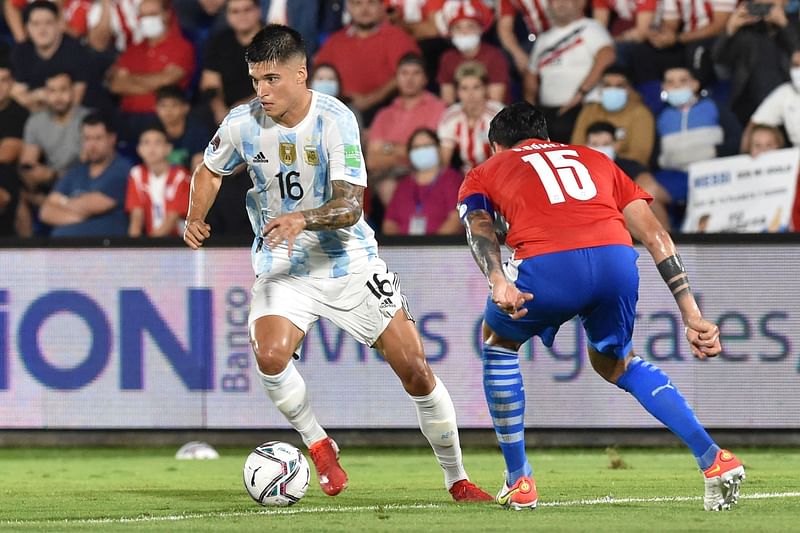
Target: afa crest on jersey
<point x="287" y="153"/>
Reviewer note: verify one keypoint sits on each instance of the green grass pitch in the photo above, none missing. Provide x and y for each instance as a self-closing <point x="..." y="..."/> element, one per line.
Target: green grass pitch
<point x="390" y="490"/>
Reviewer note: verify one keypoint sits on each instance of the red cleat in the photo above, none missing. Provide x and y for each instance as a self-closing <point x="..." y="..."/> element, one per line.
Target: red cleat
<point x="325" y="455"/>
<point x="468" y="492"/>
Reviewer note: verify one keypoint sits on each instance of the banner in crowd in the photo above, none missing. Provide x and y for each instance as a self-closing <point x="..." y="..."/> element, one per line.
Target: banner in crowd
<point x="157" y="338"/>
<point x="741" y="194"/>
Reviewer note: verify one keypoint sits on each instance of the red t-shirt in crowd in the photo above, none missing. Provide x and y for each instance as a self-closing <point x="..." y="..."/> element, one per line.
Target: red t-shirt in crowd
<point x="158" y="195"/>
<point x="555" y="197"/>
<point x="365" y="64"/>
<point x="143" y="59"/>
<point x="432" y="203"/>
<point x="394" y="123"/>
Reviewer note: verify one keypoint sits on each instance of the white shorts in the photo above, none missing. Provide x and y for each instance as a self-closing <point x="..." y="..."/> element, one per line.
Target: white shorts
<point x="361" y="303"/>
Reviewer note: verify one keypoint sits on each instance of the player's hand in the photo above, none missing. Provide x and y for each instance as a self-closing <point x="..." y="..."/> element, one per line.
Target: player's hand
<point x="284" y="228"/>
<point x="509" y="298"/>
<point x="195" y="233"/>
<point x="703" y="337"/>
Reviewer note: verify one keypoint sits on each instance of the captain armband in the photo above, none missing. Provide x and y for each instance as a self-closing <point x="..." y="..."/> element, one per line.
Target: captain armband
<point x="674" y="275"/>
<point x="474" y="202"/>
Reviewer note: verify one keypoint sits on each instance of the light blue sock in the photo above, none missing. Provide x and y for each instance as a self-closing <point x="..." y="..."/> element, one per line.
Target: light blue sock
<point x="652" y="387"/>
<point x="505" y="395"/>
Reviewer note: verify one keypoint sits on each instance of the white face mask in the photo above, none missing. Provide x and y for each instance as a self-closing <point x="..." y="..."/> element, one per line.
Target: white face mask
<point x="466" y="41"/>
<point x="608" y="150"/>
<point x="795" y="74"/>
<point x="151" y="26"/>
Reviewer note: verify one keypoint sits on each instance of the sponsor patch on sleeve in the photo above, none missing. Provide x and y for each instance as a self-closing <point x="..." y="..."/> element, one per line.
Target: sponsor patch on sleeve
<point x="352" y="156"/>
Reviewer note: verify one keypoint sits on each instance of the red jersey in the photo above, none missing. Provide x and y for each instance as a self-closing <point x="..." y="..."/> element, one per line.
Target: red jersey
<point x="555" y="197"/>
<point x="158" y="195"/>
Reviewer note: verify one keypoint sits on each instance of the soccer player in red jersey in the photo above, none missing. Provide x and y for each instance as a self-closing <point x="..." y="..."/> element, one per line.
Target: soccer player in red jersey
<point x="571" y="213"/>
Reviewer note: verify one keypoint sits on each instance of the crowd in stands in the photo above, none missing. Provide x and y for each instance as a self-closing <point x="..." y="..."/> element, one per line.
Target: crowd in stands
<point x="107" y="105"/>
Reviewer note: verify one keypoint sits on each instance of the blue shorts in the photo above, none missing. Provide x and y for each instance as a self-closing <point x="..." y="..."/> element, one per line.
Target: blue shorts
<point x="600" y="285"/>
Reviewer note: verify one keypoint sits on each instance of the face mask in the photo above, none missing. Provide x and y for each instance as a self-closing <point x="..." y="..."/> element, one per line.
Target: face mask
<point x="613" y="98"/>
<point x="329" y="87"/>
<point x="151" y="26"/>
<point x="608" y="150"/>
<point x="680" y="97"/>
<point x="424" y="157"/>
<point x="795" y="74"/>
<point x="466" y="42"/>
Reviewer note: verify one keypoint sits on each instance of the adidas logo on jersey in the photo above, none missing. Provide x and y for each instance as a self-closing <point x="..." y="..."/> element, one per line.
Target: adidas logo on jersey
<point x="385" y="304"/>
<point x="260" y="158"/>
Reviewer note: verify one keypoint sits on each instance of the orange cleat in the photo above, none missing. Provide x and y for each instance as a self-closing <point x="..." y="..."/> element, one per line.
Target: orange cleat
<point x="522" y="495"/>
<point x="325" y="455"/>
<point x="722" y="481"/>
<point x="468" y="492"/>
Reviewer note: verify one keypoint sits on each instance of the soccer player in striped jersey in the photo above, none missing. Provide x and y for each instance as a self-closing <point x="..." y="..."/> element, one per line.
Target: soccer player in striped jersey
<point x="571" y="213"/>
<point x="313" y="253"/>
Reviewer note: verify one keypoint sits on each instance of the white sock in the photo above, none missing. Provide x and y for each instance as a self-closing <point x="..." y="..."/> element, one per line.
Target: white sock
<point x="437" y="420"/>
<point x="287" y="391"/>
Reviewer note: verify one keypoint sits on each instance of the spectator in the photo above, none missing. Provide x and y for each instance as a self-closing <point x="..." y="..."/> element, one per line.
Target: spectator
<point x="366" y="54"/>
<point x="158" y="192"/>
<point x="163" y="58"/>
<point x="566" y="63"/>
<point x="685" y="35"/>
<point x="413" y="108"/>
<point x="225" y="78"/>
<point x="52" y="145"/>
<point x="424" y="201"/>
<point x="535" y="13"/>
<point x="466" y="28"/>
<point x="464" y="128"/>
<point x="620" y="105"/>
<point x="48" y="51"/>
<point x="781" y="108"/>
<point x="113" y="24"/>
<point x="692" y="128"/>
<point x="417" y="17"/>
<point x="12" y="122"/>
<point x="187" y="136"/>
<point x="89" y="200"/>
<point x="628" y="21"/>
<point x="325" y="79"/>
<point x="602" y="136"/>
<point x="763" y="139"/>
<point x="758" y="53"/>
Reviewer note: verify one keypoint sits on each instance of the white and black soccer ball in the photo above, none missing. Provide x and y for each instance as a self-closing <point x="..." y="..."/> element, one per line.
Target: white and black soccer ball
<point x="276" y="473"/>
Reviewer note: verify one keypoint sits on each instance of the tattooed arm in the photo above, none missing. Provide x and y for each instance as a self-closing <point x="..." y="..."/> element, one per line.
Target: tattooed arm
<point x="485" y="249"/>
<point x="703" y="336"/>
<point x="341" y="211"/>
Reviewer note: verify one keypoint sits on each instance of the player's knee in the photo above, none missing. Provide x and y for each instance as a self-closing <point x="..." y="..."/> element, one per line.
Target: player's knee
<point x="608" y="368"/>
<point x="271" y="360"/>
<point x="417" y="377"/>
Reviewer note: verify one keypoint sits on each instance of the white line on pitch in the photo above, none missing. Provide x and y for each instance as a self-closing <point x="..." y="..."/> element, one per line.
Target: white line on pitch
<point x="606" y="500"/>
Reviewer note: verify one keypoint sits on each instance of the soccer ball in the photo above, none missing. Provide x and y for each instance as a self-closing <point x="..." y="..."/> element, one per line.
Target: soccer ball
<point x="276" y="473"/>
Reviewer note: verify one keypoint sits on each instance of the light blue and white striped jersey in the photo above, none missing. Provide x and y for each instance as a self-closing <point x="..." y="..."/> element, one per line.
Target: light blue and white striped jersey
<point x="292" y="170"/>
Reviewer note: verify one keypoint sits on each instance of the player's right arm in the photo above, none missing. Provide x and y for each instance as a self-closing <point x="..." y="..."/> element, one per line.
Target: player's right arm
<point x="203" y="190"/>
<point x="703" y="336"/>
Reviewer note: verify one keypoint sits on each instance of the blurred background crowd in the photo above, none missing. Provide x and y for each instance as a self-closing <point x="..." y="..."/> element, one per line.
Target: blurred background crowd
<point x="106" y="105"/>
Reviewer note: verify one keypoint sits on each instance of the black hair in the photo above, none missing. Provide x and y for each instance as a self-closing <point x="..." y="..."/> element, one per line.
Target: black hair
<point x="412" y="58"/>
<point x="154" y="126"/>
<point x="39" y="4"/>
<point x="602" y="127"/>
<point x="427" y="131"/>
<point x="95" y="118"/>
<point x="619" y="70"/>
<point x="517" y="122"/>
<point x="330" y="66"/>
<point x="275" y="43"/>
<point x="170" y="91"/>
<point x="53" y="73"/>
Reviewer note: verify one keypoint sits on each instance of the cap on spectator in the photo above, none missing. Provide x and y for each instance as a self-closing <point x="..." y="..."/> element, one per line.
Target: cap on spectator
<point x="470" y="10"/>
